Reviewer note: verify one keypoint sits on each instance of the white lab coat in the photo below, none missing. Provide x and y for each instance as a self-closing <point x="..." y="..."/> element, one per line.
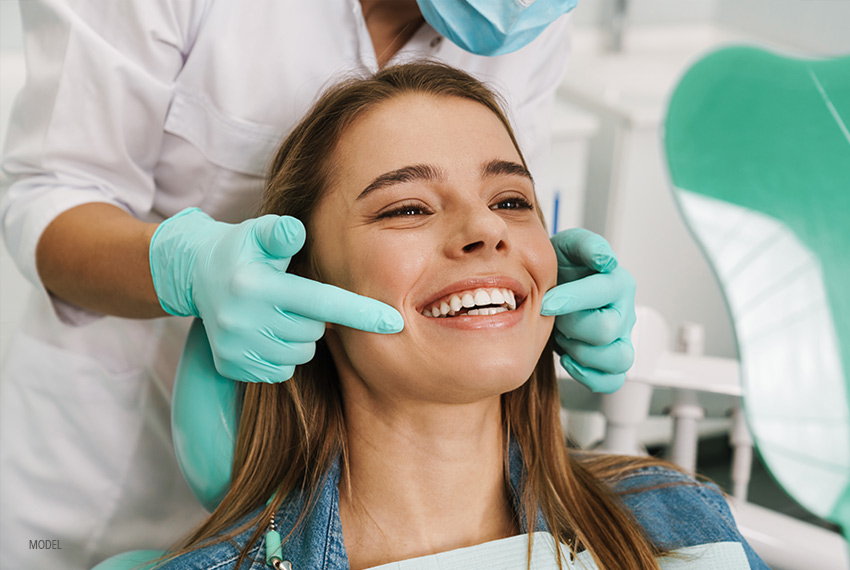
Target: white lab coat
<point x="154" y="106"/>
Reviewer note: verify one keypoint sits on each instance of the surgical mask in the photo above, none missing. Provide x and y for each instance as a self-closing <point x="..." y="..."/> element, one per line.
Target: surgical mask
<point x="492" y="27"/>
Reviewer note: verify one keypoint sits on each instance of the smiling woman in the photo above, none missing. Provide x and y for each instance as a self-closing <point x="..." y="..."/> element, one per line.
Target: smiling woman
<point x="446" y="435"/>
<point x="448" y="215"/>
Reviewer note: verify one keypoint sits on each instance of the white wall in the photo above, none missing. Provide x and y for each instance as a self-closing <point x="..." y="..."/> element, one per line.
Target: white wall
<point x="813" y="26"/>
<point x="11" y="36"/>
<point x="821" y="26"/>
<point x="646" y="12"/>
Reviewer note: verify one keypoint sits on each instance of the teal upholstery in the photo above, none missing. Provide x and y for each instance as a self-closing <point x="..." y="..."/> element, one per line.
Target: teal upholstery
<point x="203" y="420"/>
<point x="133" y="560"/>
<point x="758" y="150"/>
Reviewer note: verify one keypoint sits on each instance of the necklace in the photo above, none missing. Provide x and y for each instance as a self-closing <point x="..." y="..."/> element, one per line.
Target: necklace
<point x="273" y="549"/>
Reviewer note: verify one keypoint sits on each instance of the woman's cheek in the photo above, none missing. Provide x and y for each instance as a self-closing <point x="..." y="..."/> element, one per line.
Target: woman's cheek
<point x="389" y="266"/>
<point x="541" y="260"/>
<point x="550" y="265"/>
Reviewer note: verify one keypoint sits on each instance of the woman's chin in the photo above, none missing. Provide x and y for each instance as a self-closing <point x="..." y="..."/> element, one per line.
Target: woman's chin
<point x="469" y="384"/>
<point x="444" y="368"/>
<point x="465" y="382"/>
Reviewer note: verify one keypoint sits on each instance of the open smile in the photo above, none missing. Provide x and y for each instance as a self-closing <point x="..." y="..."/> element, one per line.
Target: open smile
<point x="473" y="302"/>
<point x="477" y="303"/>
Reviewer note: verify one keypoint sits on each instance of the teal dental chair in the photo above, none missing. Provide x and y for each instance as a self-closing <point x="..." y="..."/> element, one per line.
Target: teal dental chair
<point x="758" y="151"/>
<point x="203" y="426"/>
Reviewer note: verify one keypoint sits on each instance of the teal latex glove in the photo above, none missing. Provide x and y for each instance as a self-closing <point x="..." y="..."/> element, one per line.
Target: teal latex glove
<point x="261" y="321"/>
<point x="595" y="307"/>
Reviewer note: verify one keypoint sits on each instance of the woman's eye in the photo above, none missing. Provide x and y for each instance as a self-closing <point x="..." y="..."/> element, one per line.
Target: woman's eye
<point x="513" y="203"/>
<point x="404" y="210"/>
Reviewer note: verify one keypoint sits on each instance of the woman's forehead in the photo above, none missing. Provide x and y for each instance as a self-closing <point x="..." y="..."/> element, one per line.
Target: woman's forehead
<point x="415" y="128"/>
<point x="411" y="106"/>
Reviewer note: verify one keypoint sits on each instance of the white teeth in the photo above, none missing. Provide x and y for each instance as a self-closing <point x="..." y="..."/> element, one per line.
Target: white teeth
<point x="481" y="297"/>
<point x="469" y="299"/>
<point x="496" y="297"/>
<point x="485" y="311"/>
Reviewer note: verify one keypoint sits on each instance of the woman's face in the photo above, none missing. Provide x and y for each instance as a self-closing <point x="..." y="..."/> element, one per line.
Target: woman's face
<point x="430" y="210"/>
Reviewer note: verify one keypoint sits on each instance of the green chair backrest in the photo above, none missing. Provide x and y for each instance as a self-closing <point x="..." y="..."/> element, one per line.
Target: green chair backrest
<point x="203" y="420"/>
<point x="758" y="151"/>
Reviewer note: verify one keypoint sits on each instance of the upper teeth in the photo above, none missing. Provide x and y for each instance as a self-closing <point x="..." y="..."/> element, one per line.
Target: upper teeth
<point x="474" y="298"/>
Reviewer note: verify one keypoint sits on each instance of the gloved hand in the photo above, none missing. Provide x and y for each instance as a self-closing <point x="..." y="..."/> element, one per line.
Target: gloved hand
<point x="595" y="307"/>
<point x="260" y="320"/>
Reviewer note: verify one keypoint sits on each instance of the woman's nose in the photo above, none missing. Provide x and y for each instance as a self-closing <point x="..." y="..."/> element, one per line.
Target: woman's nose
<point x="478" y="230"/>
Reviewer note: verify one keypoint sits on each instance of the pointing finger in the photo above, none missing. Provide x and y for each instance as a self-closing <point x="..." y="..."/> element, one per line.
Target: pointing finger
<point x="323" y="302"/>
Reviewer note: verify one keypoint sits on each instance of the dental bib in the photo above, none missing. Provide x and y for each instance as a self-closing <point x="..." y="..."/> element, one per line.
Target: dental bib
<point x="510" y="554"/>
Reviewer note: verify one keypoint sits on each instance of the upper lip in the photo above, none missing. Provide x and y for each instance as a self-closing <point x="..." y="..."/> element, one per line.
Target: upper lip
<point x="489" y="282"/>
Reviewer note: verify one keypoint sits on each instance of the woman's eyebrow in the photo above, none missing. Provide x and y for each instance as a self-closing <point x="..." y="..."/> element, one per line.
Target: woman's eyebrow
<point x="404" y="174"/>
<point x="505" y="168"/>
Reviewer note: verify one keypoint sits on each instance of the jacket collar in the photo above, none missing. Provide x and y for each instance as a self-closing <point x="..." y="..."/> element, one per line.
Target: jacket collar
<point x="318" y="541"/>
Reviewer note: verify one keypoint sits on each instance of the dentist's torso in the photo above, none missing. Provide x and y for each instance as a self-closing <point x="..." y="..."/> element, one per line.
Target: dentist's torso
<point x="185" y="109"/>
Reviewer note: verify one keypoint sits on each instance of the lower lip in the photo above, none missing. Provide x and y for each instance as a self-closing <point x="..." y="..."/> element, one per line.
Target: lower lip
<point x="481" y="322"/>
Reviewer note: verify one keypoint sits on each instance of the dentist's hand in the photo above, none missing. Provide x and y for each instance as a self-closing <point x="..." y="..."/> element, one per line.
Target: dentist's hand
<point x="595" y="307"/>
<point x="260" y="320"/>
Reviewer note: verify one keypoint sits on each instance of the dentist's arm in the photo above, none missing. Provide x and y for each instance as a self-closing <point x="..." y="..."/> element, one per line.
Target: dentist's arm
<point x="260" y="320"/>
<point x="96" y="256"/>
<point x="595" y="307"/>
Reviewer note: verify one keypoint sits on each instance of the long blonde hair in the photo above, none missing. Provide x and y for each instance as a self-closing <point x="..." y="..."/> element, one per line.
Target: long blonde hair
<point x="290" y="433"/>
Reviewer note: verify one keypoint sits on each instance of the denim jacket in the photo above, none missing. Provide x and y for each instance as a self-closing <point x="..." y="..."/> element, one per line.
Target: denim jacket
<point x="673" y="515"/>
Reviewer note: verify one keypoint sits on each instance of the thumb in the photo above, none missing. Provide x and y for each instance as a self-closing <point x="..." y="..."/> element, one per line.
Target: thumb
<point x="279" y="236"/>
<point x="584" y="248"/>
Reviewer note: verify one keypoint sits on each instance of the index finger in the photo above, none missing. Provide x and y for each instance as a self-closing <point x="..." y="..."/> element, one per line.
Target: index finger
<point x="323" y="302"/>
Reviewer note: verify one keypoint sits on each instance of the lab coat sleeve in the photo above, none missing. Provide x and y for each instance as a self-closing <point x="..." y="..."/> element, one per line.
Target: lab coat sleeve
<point x="87" y="126"/>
